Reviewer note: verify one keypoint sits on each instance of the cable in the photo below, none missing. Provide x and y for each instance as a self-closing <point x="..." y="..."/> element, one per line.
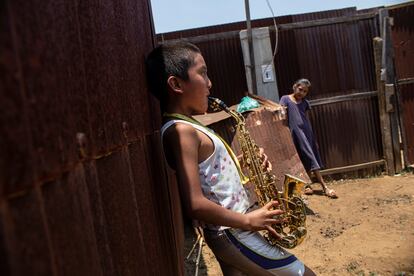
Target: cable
<point x="276" y="32"/>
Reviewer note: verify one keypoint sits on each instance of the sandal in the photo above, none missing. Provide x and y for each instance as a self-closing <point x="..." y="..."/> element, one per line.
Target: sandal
<point x="308" y="190"/>
<point x="330" y="193"/>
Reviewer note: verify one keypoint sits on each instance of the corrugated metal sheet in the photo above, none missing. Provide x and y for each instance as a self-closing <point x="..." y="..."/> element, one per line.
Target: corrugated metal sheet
<point x="337" y="58"/>
<point x="224" y="56"/>
<point x="224" y="60"/>
<point x="236" y="26"/>
<point x="403" y="42"/>
<point x="271" y="134"/>
<point x="323" y="14"/>
<point x="347" y="132"/>
<point x="80" y="157"/>
<point x="255" y="24"/>
<point x="406" y="94"/>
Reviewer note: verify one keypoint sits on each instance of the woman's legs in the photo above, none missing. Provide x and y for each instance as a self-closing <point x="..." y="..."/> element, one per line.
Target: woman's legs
<point x="328" y="192"/>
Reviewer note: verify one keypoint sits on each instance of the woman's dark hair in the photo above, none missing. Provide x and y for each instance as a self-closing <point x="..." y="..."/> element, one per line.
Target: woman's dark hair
<point x="168" y="59"/>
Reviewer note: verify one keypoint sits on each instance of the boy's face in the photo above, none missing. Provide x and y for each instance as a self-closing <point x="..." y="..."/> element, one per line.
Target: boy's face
<point x="300" y="91"/>
<point x="197" y="88"/>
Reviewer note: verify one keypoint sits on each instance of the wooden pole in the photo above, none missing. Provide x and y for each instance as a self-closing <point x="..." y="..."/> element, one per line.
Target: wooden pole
<point x="390" y="93"/>
<point x="251" y="49"/>
<point x="384" y="120"/>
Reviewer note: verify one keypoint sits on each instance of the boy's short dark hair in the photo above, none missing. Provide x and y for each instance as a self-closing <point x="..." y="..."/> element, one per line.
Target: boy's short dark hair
<point x="168" y="59"/>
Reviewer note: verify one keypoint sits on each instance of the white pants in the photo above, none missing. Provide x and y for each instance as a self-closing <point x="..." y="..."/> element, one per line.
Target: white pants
<point x="248" y="253"/>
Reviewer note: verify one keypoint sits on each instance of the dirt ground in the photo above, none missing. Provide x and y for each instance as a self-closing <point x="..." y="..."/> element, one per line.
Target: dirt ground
<point x="367" y="231"/>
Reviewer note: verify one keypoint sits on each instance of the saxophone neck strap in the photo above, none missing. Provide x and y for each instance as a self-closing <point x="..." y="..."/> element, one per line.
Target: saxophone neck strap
<point x="244" y="179"/>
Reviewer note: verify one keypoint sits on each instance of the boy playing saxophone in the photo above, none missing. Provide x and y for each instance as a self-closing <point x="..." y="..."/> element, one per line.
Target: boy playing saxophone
<point x="207" y="176"/>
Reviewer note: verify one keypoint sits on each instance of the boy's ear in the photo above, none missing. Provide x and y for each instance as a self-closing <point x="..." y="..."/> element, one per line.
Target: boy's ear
<point x="174" y="84"/>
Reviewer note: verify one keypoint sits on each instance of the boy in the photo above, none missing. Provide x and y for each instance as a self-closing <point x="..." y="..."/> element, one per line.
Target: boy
<point x="207" y="176"/>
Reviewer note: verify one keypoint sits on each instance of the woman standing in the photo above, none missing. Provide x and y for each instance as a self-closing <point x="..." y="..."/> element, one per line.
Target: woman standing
<point x="302" y="133"/>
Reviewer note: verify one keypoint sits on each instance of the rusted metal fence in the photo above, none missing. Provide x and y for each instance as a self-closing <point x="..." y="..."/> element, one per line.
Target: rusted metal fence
<point x="222" y="51"/>
<point x="403" y="45"/>
<point x="82" y="188"/>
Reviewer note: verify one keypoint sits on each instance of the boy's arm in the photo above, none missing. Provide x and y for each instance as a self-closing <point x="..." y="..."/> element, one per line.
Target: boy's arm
<point x="183" y="144"/>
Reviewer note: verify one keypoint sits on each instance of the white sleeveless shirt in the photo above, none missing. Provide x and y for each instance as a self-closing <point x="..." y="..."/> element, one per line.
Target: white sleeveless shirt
<point x="219" y="178"/>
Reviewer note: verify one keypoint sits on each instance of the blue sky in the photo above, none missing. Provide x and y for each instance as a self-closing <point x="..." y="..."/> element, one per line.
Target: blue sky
<point x="173" y="15"/>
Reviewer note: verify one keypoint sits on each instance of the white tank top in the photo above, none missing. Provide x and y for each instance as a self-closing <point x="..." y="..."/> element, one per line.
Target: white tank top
<point x="219" y="178"/>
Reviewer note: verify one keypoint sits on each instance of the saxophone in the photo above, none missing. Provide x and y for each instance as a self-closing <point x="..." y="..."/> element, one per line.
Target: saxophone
<point x="292" y="230"/>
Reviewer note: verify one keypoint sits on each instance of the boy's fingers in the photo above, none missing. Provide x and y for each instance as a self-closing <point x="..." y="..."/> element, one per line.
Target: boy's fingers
<point x="276" y="212"/>
<point x="272" y="221"/>
<point x="272" y="203"/>
<point x="272" y="231"/>
<point x="269" y="166"/>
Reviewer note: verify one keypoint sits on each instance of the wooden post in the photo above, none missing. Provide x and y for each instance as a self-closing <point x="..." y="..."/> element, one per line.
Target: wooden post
<point x="401" y="116"/>
<point x="388" y="77"/>
<point x="251" y="49"/>
<point x="384" y="120"/>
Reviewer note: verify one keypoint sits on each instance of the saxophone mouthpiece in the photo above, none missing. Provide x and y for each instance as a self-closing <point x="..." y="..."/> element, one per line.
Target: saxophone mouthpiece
<point x="217" y="104"/>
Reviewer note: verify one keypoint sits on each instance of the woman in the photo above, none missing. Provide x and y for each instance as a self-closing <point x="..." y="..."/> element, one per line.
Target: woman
<point x="302" y="133"/>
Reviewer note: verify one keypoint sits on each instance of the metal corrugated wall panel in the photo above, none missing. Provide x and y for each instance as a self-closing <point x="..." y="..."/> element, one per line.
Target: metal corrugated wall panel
<point x="323" y="14"/>
<point x="255" y="24"/>
<point x="224" y="60"/>
<point x="347" y="132"/>
<point x="267" y="131"/>
<point x="80" y="157"/>
<point x="406" y="93"/>
<point x="403" y="42"/>
<point x="336" y="58"/>
<point x="221" y="28"/>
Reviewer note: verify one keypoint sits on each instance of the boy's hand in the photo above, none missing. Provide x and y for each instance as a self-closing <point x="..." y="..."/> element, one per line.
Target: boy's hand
<point x="264" y="218"/>
<point x="265" y="160"/>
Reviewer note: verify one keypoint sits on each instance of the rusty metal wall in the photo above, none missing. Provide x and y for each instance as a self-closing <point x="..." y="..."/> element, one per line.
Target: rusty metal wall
<point x="348" y="132"/>
<point x="403" y="42"/>
<point x="82" y="189"/>
<point x="224" y="56"/>
<point x="337" y="58"/>
<point x="224" y="60"/>
<point x="406" y="94"/>
<point x="236" y="26"/>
